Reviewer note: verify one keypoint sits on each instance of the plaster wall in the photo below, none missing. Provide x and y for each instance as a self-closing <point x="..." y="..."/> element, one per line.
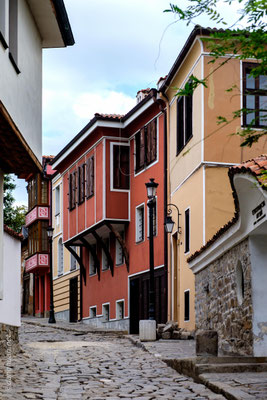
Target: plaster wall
<point x="258" y="251"/>
<point x="21" y="93"/>
<point x="10" y="303"/>
<point x="190" y="195"/>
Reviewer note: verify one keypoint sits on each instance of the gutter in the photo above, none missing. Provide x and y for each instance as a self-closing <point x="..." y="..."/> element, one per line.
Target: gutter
<point x="63" y="22"/>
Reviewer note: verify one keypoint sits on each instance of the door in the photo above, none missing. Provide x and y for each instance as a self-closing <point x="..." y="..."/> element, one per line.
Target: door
<point x="26" y="295"/>
<point x="134" y="306"/>
<point x="74" y="299"/>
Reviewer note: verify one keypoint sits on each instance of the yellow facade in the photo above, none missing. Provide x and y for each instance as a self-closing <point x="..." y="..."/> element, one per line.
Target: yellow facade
<point x="198" y="176"/>
<point x="61" y="282"/>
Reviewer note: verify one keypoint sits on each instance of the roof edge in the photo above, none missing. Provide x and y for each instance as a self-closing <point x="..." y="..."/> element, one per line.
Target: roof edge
<point x="63" y="22"/>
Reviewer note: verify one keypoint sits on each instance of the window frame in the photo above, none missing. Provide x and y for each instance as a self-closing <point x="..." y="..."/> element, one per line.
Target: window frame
<point x="38" y="239"/>
<point x="72" y="190"/>
<point x="184" y="121"/>
<point x="106" y="305"/>
<point x="90" y="177"/>
<point x="93" y="308"/>
<point x="187" y="292"/>
<point x="137" y="208"/>
<point x="121" y="301"/>
<point x="256" y="92"/>
<point x="145" y="153"/>
<point x="112" y="167"/>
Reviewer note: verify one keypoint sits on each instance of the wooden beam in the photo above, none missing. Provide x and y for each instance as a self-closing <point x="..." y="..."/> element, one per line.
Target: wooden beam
<point x="79" y="259"/>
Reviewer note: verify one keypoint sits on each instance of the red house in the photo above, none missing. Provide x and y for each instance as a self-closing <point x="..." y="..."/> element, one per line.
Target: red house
<point x="104" y="171"/>
<point x="37" y="221"/>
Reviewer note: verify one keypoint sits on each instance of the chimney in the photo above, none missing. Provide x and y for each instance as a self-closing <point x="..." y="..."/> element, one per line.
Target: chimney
<point x="141" y="94"/>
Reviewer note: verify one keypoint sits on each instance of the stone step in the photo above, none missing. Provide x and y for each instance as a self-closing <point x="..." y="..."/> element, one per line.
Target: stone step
<point x="230" y="368"/>
<point x="231" y="359"/>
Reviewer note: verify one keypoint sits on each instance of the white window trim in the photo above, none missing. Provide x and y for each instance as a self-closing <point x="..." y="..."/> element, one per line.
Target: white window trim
<point x="188" y="208"/>
<point x="136" y="230"/>
<point x="120" y="301"/>
<point x="156" y="197"/>
<point x="157" y="159"/>
<point x="112" y="189"/>
<point x="93" y="307"/>
<point x="106" y="304"/>
<point x="57" y="200"/>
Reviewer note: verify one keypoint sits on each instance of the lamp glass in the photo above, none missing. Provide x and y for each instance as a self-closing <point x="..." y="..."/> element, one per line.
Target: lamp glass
<point x="151" y="188"/>
<point x="169" y="224"/>
<point x="50" y="231"/>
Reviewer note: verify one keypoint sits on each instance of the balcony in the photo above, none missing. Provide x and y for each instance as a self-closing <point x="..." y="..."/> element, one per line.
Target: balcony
<point x="37" y="262"/>
<point x="38" y="213"/>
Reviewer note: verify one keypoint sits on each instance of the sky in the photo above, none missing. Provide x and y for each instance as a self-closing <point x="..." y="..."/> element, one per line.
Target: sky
<point x="120" y="47"/>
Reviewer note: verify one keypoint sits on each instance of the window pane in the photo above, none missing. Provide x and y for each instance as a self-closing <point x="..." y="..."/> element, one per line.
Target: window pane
<point x="250" y="82"/>
<point x="250" y="102"/>
<point x="263" y="82"/>
<point x="263" y="106"/>
<point x="121" y="167"/>
<point x="250" y="117"/>
<point x="44" y="199"/>
<point x="180" y="124"/>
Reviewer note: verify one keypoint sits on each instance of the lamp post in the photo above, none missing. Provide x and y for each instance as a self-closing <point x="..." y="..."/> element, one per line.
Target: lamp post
<point x="151" y="194"/>
<point x="51" y="312"/>
<point x="169" y="223"/>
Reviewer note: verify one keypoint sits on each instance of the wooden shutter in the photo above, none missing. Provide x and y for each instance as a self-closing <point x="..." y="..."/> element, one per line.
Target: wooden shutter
<point x="153" y="131"/>
<point x="79" y="184"/>
<point x="74" y="184"/>
<point x="92" y="176"/>
<point x="70" y="191"/>
<point x="142" y="147"/>
<point x="188" y="117"/>
<point x="180" y="124"/>
<point x="87" y="177"/>
<point x="148" y="144"/>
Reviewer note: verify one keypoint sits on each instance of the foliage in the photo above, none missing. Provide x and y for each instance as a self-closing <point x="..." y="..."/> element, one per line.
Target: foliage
<point x="14" y="217"/>
<point x="232" y="42"/>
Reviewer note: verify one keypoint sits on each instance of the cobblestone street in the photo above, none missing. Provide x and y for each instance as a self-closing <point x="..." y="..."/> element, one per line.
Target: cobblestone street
<point x="56" y="364"/>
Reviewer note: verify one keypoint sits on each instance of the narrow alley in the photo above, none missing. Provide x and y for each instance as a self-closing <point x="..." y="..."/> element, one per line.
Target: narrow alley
<point x="58" y="364"/>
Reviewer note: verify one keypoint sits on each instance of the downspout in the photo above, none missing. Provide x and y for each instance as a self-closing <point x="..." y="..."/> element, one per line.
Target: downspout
<point x="81" y="287"/>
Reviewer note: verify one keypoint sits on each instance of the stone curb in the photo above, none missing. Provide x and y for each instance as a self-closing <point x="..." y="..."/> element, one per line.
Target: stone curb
<point x="81" y="331"/>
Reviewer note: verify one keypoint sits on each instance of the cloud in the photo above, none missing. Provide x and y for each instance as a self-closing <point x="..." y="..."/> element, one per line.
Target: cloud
<point x="108" y="102"/>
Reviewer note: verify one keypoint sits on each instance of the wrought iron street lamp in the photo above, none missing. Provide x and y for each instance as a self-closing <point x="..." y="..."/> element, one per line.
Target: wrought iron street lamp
<point x="151" y="194"/>
<point x="52" y="319"/>
<point x="169" y="223"/>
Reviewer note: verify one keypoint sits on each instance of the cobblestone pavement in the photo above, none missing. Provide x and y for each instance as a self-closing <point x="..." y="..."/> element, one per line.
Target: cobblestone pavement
<point x="57" y="364"/>
<point x="243" y="386"/>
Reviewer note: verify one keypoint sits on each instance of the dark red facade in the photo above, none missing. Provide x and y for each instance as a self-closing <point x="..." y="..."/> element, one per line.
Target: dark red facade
<point x="104" y="172"/>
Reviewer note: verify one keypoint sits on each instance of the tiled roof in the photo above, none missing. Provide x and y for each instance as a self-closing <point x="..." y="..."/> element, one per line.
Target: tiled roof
<point x="13" y="233"/>
<point x="256" y="167"/>
<point x="109" y="116"/>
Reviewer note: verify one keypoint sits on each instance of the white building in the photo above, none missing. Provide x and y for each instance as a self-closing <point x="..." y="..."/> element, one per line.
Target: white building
<point x="26" y="28"/>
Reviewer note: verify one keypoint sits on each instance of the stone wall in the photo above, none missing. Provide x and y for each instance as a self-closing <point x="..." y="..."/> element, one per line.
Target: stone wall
<point x="223" y="300"/>
<point x="9" y="340"/>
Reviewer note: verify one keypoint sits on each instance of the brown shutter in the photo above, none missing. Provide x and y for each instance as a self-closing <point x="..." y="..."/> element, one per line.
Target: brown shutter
<point x="153" y="140"/>
<point x="83" y="181"/>
<point x="142" y="147"/>
<point x="88" y="178"/>
<point x="79" y="185"/>
<point x="70" y="191"/>
<point x="74" y="184"/>
<point x="148" y="144"/>
<point x="92" y="176"/>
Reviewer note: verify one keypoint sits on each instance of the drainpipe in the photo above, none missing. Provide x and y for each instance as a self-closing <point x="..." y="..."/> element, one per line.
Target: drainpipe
<point x="81" y="287"/>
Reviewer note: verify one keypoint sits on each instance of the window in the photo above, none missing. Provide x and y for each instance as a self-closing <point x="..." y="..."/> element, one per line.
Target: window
<point x="187" y="305"/>
<point x="121" y="168"/>
<point x="73" y="262"/>
<point x="154" y="220"/>
<point x="254" y="98"/>
<point x="13" y="33"/>
<point x="105" y="263"/>
<point x="146" y="145"/>
<point x="38" y="239"/>
<point x="44" y="192"/>
<point x="240" y="283"/>
<point x="119" y="251"/>
<point x="72" y="190"/>
<point x="81" y="184"/>
<point x="139" y="223"/>
<point x="92" y="266"/>
<point x="57" y="200"/>
<point x="105" y="312"/>
<point x="92" y="312"/>
<point x="187" y="231"/>
<point x="120" y="309"/>
<point x="32" y="193"/>
<point x="3" y="23"/>
<point x="60" y="257"/>
<point x="184" y="121"/>
<point x="90" y="177"/>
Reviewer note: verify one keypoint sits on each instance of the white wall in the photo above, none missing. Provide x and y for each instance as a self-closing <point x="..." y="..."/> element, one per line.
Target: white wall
<point x="10" y="304"/>
<point x="258" y="251"/>
<point x="1" y="232"/>
<point x="21" y="93"/>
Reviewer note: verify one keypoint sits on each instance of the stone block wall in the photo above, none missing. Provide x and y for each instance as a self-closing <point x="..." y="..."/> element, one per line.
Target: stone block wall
<point x="218" y="304"/>
<point x="9" y="340"/>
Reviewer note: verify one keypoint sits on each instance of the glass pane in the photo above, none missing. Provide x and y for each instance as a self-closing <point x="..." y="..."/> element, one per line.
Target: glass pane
<point x="250" y="100"/>
<point x="263" y="82"/>
<point x="250" y="82"/>
<point x="250" y="117"/>
<point x="44" y="192"/>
